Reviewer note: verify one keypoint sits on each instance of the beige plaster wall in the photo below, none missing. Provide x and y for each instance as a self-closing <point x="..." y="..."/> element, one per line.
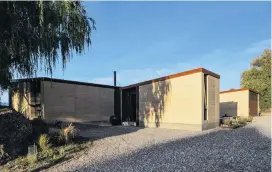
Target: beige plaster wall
<point x="173" y="103"/>
<point x="21" y="103"/>
<point x="235" y="103"/>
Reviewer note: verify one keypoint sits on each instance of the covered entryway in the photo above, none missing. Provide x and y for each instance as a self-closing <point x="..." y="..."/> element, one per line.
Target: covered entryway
<point x="130" y="106"/>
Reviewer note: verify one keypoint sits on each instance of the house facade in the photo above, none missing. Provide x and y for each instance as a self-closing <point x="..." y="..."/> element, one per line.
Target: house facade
<point x="188" y="100"/>
<point x="239" y="102"/>
<point x="55" y="99"/>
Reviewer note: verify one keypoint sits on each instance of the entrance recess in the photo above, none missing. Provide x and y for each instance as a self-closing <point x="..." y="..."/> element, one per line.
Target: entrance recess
<point x="130" y="106"/>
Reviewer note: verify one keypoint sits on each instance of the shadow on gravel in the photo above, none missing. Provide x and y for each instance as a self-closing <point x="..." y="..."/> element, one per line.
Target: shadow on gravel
<point x="51" y="164"/>
<point x="94" y="133"/>
<point x="243" y="149"/>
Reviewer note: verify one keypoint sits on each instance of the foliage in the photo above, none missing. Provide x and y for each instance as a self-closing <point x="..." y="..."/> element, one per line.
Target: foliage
<point x="39" y="127"/>
<point x="249" y="119"/>
<point x="61" y="151"/>
<point x="57" y="157"/>
<point x="258" y="78"/>
<point x="3" y="155"/>
<point x="43" y="159"/>
<point x="47" y="153"/>
<point x="227" y="122"/>
<point x="14" y="132"/>
<point x="35" y="34"/>
<point x="67" y="134"/>
<point x="44" y="142"/>
<point x="242" y="120"/>
<point x="32" y="158"/>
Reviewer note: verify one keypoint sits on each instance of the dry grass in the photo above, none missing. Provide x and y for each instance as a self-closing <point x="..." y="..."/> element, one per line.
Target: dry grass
<point x="44" y="142"/>
<point x="32" y="158"/>
<point x="67" y="134"/>
<point x="227" y="122"/>
<point x="50" y="152"/>
<point x="43" y="159"/>
<point x="241" y="120"/>
<point x="249" y="119"/>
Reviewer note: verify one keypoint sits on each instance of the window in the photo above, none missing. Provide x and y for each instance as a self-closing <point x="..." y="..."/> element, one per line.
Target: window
<point x="34" y="90"/>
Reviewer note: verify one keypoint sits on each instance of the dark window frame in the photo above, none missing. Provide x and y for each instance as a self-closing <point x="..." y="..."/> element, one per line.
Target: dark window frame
<point x="205" y="98"/>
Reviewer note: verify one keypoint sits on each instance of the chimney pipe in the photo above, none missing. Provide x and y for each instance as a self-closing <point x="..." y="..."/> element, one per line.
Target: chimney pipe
<point x="114" y="73"/>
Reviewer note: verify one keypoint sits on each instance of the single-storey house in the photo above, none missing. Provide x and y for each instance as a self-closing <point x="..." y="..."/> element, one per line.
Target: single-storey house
<point x="63" y="100"/>
<point x="188" y="100"/>
<point x="239" y="102"/>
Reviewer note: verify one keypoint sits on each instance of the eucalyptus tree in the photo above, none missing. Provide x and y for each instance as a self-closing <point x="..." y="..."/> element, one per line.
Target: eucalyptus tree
<point x="258" y="78"/>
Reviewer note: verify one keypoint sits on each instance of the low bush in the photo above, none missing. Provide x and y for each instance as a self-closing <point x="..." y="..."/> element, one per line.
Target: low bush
<point x="57" y="157"/>
<point x="14" y="132"/>
<point x="227" y="122"/>
<point x="39" y="127"/>
<point x="61" y="150"/>
<point x="44" y="142"/>
<point x="32" y="158"/>
<point x="242" y="120"/>
<point x="48" y="153"/>
<point x="249" y="119"/>
<point x="67" y="134"/>
<point x="3" y="155"/>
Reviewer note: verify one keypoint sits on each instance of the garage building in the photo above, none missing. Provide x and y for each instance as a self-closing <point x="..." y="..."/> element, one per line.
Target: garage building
<point x="239" y="102"/>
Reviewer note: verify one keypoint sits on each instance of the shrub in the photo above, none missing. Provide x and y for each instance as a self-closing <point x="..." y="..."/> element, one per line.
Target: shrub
<point x="14" y="132"/>
<point x="67" y="134"/>
<point x="58" y="124"/>
<point x="32" y="158"/>
<point x="242" y="120"/>
<point x="39" y="127"/>
<point x="62" y="151"/>
<point x="48" y="153"/>
<point x="227" y="122"/>
<point x="44" y="142"/>
<point x="3" y="155"/>
<point x="249" y="119"/>
<point x="57" y="157"/>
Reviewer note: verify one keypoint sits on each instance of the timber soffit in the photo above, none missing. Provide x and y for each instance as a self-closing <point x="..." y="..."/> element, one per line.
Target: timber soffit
<point x="235" y="90"/>
<point x="198" y="70"/>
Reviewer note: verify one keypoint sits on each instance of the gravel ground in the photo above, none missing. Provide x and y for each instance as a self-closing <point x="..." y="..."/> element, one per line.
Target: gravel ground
<point x="133" y="149"/>
<point x="263" y="124"/>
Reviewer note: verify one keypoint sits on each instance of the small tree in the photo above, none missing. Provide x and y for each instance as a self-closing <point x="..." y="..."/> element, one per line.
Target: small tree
<point x="258" y="78"/>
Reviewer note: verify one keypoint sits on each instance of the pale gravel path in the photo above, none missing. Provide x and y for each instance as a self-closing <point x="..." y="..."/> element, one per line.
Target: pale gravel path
<point x="243" y="149"/>
<point x="262" y="124"/>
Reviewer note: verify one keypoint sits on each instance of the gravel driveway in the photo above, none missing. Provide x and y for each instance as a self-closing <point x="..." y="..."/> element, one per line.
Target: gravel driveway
<point x="243" y="149"/>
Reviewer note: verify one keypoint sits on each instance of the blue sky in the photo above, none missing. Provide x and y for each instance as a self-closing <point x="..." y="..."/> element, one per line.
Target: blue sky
<point x="145" y="40"/>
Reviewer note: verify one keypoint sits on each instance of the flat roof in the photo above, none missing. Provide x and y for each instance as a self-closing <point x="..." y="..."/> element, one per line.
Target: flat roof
<point x="189" y="72"/>
<point x="239" y="89"/>
<point x="205" y="71"/>
<point x="63" y="81"/>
